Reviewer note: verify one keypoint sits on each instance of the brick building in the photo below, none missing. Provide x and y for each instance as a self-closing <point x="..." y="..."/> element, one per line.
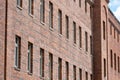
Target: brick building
<point x="58" y="40"/>
<point x="106" y="32"/>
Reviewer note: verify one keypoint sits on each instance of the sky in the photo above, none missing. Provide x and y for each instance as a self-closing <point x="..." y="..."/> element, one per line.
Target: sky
<point x="114" y="6"/>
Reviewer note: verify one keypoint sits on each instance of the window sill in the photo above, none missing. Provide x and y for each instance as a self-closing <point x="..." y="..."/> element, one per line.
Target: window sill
<point x="51" y="28"/>
<point x="19" y="7"/>
<point x="31" y="15"/>
<point x="43" y="23"/>
<point x="86" y="52"/>
<point x="30" y="73"/>
<point x="80" y="47"/>
<point x="42" y="77"/>
<point x="74" y="44"/>
<point x="67" y="39"/>
<point x="16" y="68"/>
<point x="60" y="35"/>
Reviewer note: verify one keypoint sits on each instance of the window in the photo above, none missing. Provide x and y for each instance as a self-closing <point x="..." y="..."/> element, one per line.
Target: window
<point x="60" y="21"/>
<point x="85" y="6"/>
<point x="59" y="69"/>
<point x="91" y="44"/>
<point x="41" y="62"/>
<point x="42" y="11"/>
<point x="80" y="74"/>
<point x="104" y="30"/>
<point x="19" y="3"/>
<point x="30" y="57"/>
<point x="104" y="67"/>
<point x="79" y="3"/>
<point x="115" y="61"/>
<point x="67" y="26"/>
<point x="110" y="28"/>
<point x="50" y="15"/>
<point x="91" y="77"/>
<point x="118" y="64"/>
<point x="67" y="71"/>
<point x="86" y="74"/>
<point x="74" y="72"/>
<point x="74" y="31"/>
<point x="117" y="36"/>
<point x="80" y="37"/>
<point x="114" y="33"/>
<point x="91" y="12"/>
<point x="86" y="41"/>
<point x="31" y="7"/>
<point x="111" y="58"/>
<point x="17" y="51"/>
<point x="50" y="66"/>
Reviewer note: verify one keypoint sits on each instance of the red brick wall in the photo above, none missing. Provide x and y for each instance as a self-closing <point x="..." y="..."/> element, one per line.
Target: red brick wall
<point x="113" y="45"/>
<point x="102" y="47"/>
<point x="30" y="29"/>
<point x="2" y="37"/>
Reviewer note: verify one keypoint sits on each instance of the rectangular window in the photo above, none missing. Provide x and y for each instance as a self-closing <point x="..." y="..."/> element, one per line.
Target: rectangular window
<point x="31" y="7"/>
<point x="42" y="11"/>
<point x="50" y="66"/>
<point x="74" y="31"/>
<point x="79" y="3"/>
<point x="74" y="72"/>
<point x="111" y="58"/>
<point x="114" y="33"/>
<point x="19" y="3"/>
<point x="115" y="61"/>
<point x="80" y="37"/>
<point x="110" y="28"/>
<point x="30" y="57"/>
<point x="86" y="75"/>
<point x="91" y="77"/>
<point x="17" y="51"/>
<point x="41" y="62"/>
<point x="85" y="6"/>
<point x="67" y="70"/>
<point x="59" y="69"/>
<point x="118" y="65"/>
<point x="117" y="36"/>
<point x="91" y="12"/>
<point x="67" y="26"/>
<point x="50" y="15"/>
<point x="104" y="30"/>
<point x="80" y="74"/>
<point x="104" y="67"/>
<point x="91" y="44"/>
<point x="60" y="21"/>
<point x="86" y="41"/>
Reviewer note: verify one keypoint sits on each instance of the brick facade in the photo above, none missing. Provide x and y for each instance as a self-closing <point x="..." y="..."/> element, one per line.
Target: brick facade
<point x="30" y="29"/>
<point x="103" y="42"/>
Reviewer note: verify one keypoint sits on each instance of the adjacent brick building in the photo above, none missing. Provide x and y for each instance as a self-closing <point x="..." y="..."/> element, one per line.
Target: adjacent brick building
<point x="106" y="32"/>
<point x="58" y="40"/>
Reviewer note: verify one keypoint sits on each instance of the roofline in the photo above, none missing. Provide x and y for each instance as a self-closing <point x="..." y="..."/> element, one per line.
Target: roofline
<point x="114" y="16"/>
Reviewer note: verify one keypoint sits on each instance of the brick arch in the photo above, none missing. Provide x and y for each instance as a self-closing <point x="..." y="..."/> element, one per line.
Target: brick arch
<point x="105" y="13"/>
